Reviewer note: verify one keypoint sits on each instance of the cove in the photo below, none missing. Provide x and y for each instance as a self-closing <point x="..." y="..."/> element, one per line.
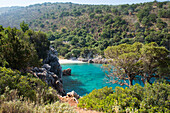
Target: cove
<point x="85" y="78"/>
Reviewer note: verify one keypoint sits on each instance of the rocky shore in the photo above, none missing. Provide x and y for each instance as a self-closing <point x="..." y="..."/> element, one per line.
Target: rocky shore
<point x="51" y="72"/>
<point x="95" y="60"/>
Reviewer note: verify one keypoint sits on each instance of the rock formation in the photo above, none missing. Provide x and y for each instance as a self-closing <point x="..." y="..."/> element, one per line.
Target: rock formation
<point x="52" y="60"/>
<point x="73" y="94"/>
<point x="98" y="61"/>
<point x="67" y="72"/>
<point x="51" y="72"/>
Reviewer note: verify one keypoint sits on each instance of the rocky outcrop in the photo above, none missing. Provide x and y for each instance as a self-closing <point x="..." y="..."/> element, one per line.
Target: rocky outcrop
<point x="67" y="72"/>
<point x="51" y="72"/>
<point x="98" y="61"/>
<point x="95" y="60"/>
<point x="49" y="77"/>
<point x="90" y="61"/>
<point x="73" y="94"/>
<point x="53" y="61"/>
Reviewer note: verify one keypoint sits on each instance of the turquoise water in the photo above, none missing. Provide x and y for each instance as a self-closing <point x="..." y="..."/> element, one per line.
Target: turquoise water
<point x="85" y="78"/>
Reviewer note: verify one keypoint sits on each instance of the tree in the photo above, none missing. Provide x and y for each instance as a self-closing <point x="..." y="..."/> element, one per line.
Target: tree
<point x="153" y="59"/>
<point x="152" y="17"/>
<point x="145" y="21"/>
<point x="142" y="13"/>
<point x="16" y="52"/>
<point x="40" y="42"/>
<point x="24" y="26"/>
<point x="124" y="64"/>
<point x="136" y="62"/>
<point x="76" y="53"/>
<point x="160" y="24"/>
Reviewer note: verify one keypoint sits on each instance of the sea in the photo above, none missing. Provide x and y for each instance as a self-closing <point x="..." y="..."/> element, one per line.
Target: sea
<point x="86" y="77"/>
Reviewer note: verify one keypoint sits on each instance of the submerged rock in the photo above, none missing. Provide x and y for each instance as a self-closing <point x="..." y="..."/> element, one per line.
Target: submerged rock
<point x="67" y="72"/>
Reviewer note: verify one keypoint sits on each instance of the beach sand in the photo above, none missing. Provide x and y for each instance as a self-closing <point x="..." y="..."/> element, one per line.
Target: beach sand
<point x="65" y="61"/>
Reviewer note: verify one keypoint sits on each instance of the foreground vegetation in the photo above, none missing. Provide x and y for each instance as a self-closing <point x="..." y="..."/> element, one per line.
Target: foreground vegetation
<point x="22" y="92"/>
<point x="150" y="98"/>
<point x="26" y="94"/>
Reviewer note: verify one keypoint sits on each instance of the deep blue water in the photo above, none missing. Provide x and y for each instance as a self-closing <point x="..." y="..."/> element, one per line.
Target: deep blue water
<point x="85" y="78"/>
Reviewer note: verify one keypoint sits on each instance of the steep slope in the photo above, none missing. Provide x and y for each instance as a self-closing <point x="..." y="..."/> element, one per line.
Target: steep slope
<point x="83" y="29"/>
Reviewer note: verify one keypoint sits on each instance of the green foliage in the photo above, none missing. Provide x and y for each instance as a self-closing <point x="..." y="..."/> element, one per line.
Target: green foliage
<point x="136" y="62"/>
<point x="24" y="26"/>
<point x="73" y="23"/>
<point x="95" y="100"/>
<point x="143" y="13"/>
<point x="150" y="98"/>
<point x="26" y="85"/>
<point x="16" y="52"/>
<point x="11" y="103"/>
<point x="164" y="13"/>
<point x="76" y="53"/>
<point x="22" y="50"/>
<point x="160" y="24"/>
<point x="40" y="42"/>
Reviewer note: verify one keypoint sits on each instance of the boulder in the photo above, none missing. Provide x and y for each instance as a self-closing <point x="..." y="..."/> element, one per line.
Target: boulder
<point x="90" y="61"/>
<point x="47" y="67"/>
<point x="73" y="94"/>
<point x="84" y="60"/>
<point x="67" y="72"/>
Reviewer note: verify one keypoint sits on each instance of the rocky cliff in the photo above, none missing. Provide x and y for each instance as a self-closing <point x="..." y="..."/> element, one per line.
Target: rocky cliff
<point x="51" y="72"/>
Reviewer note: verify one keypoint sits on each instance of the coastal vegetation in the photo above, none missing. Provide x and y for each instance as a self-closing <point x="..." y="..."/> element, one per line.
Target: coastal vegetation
<point x="135" y="38"/>
<point x="23" y="48"/>
<point x="149" y="99"/>
<point x="24" y="93"/>
<point x="137" y="62"/>
<point x="21" y="91"/>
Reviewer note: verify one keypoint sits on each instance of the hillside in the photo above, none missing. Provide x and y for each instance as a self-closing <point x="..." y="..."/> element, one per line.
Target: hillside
<point x="83" y="29"/>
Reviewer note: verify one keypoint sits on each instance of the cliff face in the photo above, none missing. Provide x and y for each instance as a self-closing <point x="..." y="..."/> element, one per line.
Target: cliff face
<point x="53" y="61"/>
<point x="51" y="72"/>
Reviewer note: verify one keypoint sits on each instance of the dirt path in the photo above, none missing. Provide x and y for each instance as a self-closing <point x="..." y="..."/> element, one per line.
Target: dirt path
<point x="72" y="102"/>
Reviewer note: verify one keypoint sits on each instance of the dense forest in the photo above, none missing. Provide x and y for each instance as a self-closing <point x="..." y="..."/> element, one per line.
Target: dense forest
<point x="86" y="30"/>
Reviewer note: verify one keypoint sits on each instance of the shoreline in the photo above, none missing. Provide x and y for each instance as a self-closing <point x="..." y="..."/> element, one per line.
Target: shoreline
<point x="65" y="61"/>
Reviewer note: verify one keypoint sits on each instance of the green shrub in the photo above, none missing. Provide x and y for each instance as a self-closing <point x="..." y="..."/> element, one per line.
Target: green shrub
<point x="26" y="85"/>
<point x="150" y="98"/>
<point x="27" y="107"/>
<point x="95" y="100"/>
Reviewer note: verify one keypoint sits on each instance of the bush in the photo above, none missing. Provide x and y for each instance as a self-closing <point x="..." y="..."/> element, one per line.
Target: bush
<point x="150" y="98"/>
<point x="27" y="107"/>
<point x="26" y="94"/>
<point x="26" y="86"/>
<point x="96" y="99"/>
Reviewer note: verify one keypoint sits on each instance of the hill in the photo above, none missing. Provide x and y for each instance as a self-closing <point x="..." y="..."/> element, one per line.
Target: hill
<point x="86" y="30"/>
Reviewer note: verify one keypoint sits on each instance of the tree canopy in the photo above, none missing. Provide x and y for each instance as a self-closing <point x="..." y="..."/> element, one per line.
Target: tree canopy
<point x="19" y="50"/>
<point x="136" y="62"/>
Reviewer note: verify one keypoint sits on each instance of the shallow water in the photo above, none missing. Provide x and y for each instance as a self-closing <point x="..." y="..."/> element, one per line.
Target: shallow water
<point x="85" y="78"/>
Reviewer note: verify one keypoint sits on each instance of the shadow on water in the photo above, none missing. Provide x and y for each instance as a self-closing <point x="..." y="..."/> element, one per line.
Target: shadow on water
<point x="70" y="84"/>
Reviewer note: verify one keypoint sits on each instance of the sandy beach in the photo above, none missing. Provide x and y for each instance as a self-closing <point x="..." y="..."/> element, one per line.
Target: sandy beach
<point x="65" y="61"/>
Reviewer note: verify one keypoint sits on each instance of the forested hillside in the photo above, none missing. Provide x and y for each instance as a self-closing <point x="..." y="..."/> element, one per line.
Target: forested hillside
<point x="86" y="30"/>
